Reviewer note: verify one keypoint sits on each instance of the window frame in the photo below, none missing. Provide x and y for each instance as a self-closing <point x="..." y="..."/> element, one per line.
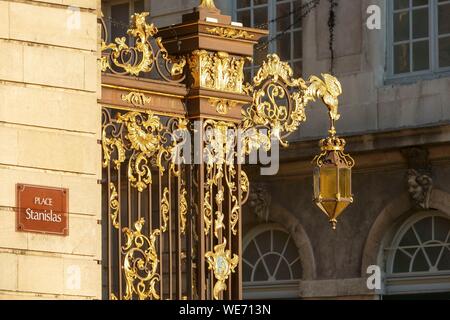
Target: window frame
<point x="278" y="289"/>
<point x="434" y="70"/>
<point x="411" y="283"/>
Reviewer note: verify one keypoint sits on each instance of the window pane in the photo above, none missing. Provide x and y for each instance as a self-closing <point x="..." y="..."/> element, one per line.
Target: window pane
<point x="260" y="52"/>
<point x="139" y="6"/>
<point x="297" y="14"/>
<point x="401" y="26"/>
<point x="444" y="19"/>
<point x="284" y="17"/>
<point x="244" y="17"/>
<point x="420" y="23"/>
<point x="251" y="253"/>
<point x="444" y="263"/>
<point x="401" y="262"/>
<point x="441" y="229"/>
<point x="258" y="2"/>
<point x="260" y="16"/>
<point x="424" y="229"/>
<point x="298" y="45"/>
<point x="420" y="263"/>
<point x="242" y="3"/>
<point x="417" y="3"/>
<point x="444" y="52"/>
<point x="260" y="273"/>
<point x="401" y="4"/>
<point x="284" y="46"/>
<point x="283" y="272"/>
<point x="421" y="56"/>
<point x="263" y="242"/>
<point x="401" y="58"/>
<point x="120" y="20"/>
<point x="279" y="241"/>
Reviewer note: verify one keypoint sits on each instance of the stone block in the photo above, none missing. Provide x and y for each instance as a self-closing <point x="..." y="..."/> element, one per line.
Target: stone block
<point x="65" y="27"/>
<point x="64" y="109"/>
<point x="13" y="54"/>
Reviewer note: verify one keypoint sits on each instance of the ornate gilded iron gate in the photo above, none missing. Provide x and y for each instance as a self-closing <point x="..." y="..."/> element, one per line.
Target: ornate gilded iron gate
<point x="149" y="230"/>
<point x="173" y="186"/>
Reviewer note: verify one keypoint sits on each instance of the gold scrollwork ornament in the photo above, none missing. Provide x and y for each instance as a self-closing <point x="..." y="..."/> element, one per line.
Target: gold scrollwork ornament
<point x="140" y="263"/>
<point x="114" y="205"/>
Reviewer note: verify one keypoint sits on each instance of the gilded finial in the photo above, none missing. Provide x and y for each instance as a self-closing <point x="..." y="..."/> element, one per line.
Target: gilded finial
<point x="208" y="4"/>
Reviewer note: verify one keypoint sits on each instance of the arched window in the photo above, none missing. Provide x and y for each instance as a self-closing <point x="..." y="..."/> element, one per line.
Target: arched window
<point x="418" y="259"/>
<point x="271" y="264"/>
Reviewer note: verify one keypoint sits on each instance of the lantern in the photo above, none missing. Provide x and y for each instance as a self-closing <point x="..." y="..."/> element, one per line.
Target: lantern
<point x="333" y="178"/>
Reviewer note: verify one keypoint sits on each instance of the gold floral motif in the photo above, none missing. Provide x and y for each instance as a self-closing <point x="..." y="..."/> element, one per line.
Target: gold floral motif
<point x="223" y="265"/>
<point x="279" y="102"/>
<point x="183" y="210"/>
<point x="119" y="58"/>
<point x="114" y="205"/>
<point x="217" y="70"/>
<point x="231" y="33"/>
<point x="140" y="263"/>
<point x="137" y="99"/>
<point x="222" y="106"/>
<point x="165" y="209"/>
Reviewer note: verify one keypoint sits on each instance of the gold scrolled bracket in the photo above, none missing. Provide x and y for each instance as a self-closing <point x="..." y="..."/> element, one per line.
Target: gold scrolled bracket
<point x="221" y="262"/>
<point x="147" y="54"/>
<point x="280" y="99"/>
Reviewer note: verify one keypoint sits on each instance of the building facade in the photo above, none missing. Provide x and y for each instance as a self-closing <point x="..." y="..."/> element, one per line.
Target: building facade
<point x="393" y="60"/>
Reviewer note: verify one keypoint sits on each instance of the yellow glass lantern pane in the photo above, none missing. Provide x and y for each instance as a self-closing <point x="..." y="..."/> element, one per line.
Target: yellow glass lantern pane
<point x="345" y="182"/>
<point x="328" y="182"/>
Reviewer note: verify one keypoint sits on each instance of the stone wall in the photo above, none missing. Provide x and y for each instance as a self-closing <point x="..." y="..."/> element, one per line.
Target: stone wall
<point x="370" y="103"/>
<point x="49" y="128"/>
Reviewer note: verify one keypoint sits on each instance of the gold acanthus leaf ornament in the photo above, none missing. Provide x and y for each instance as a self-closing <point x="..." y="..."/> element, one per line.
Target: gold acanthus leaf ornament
<point x="221" y="262"/>
<point x="141" y="139"/>
<point x="140" y="263"/>
<point x="279" y="101"/>
<point x="217" y="70"/>
<point x="231" y="33"/>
